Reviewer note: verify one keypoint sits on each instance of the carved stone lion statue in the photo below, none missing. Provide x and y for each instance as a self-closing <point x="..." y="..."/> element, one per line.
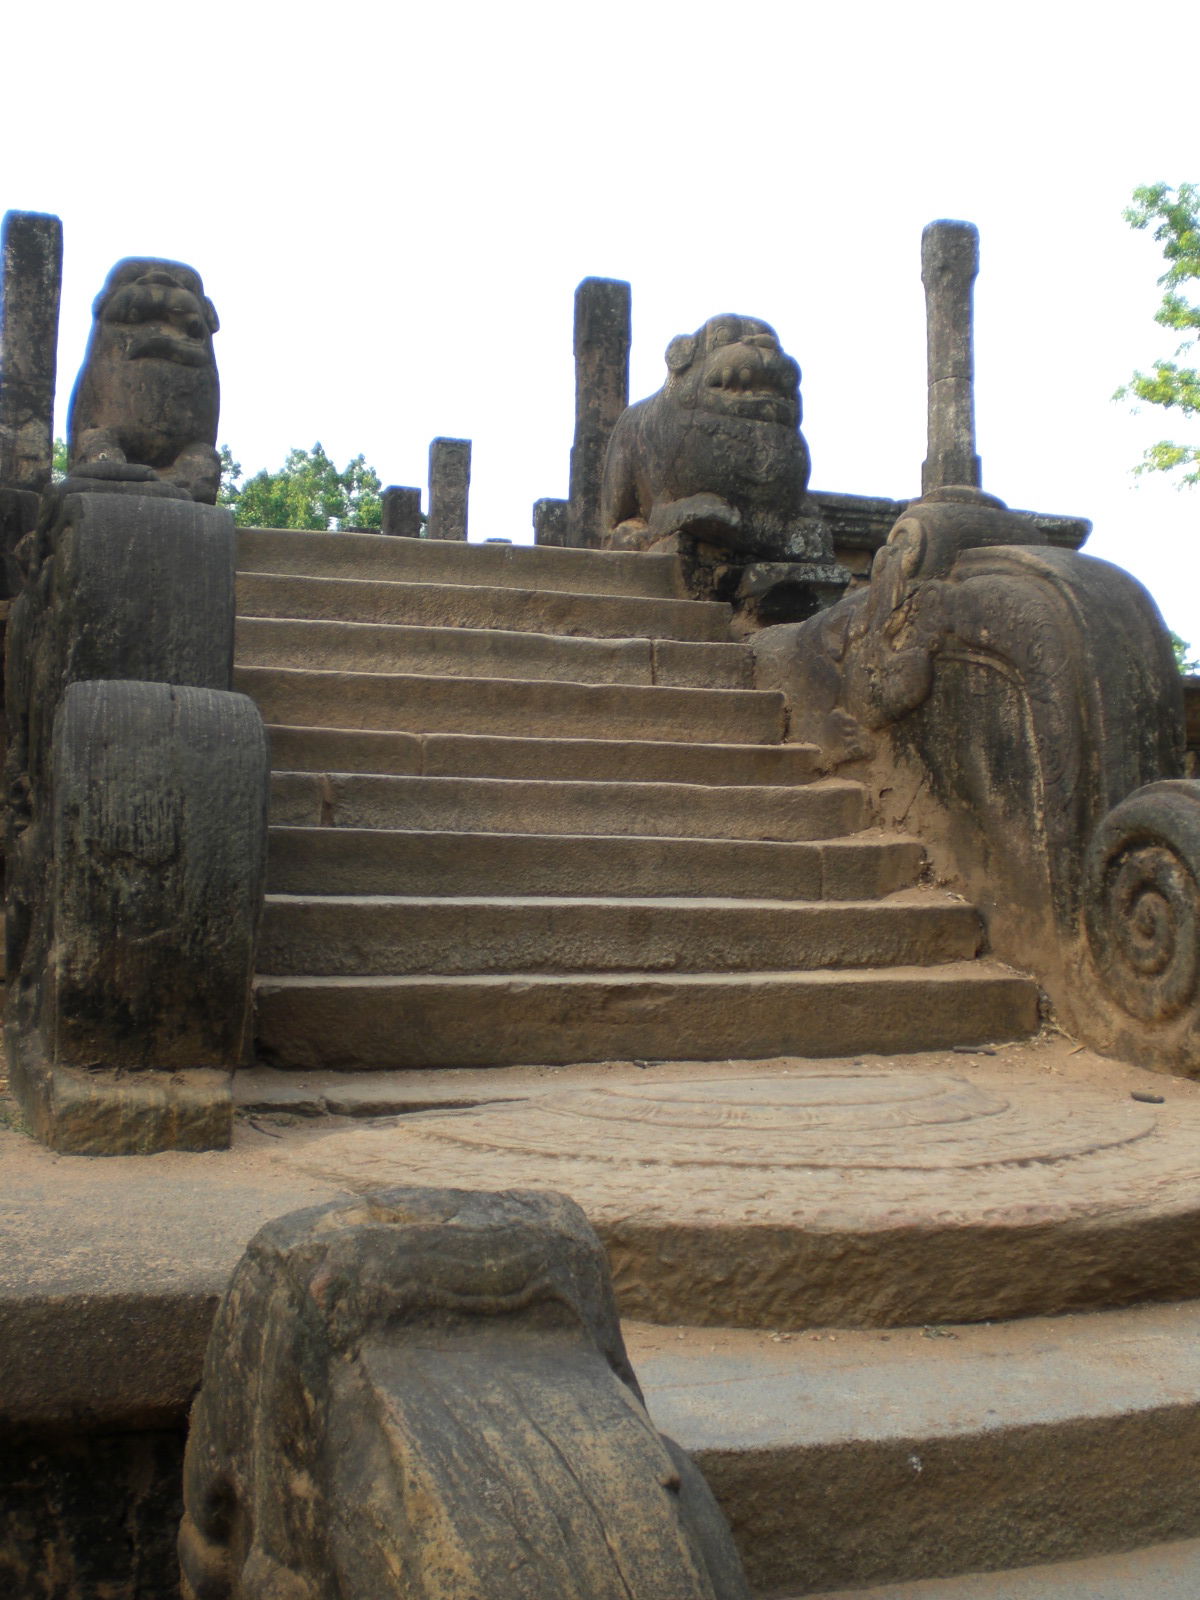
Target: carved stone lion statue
<point x="717" y="453"/>
<point x="148" y="392"/>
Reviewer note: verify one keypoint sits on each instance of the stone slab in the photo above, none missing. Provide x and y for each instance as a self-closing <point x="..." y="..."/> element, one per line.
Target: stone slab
<point x="427" y="1020"/>
<point x="489" y="653"/>
<point x="326" y="934"/>
<point x="392" y="861"/>
<point x="475" y="605"/>
<point x="857" y="1196"/>
<point x="852" y="1458"/>
<point x="1161" y="1572"/>
<point x="828" y="809"/>
<point x="468" y="755"/>
<point x="416" y="703"/>
<point x="379" y="556"/>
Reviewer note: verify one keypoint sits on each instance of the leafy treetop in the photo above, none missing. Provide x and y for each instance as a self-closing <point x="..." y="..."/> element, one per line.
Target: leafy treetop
<point x="308" y="491"/>
<point x="1183" y="658"/>
<point x="1176" y="216"/>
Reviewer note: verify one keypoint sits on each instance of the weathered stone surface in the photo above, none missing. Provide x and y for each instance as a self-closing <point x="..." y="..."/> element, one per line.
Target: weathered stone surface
<point x="431" y="1020"/>
<point x="136" y="844"/>
<point x="327" y="934"/>
<point x="386" y="861"/>
<point x="480" y="605"/>
<point x="507" y="805"/>
<point x="602" y="338"/>
<point x="949" y="265"/>
<point x="717" y="453"/>
<point x="444" y="1373"/>
<point x="1035" y="1438"/>
<point x="476" y="755"/>
<point x="133" y="963"/>
<point x="1191" y="712"/>
<point x="512" y="707"/>
<point x="874" y="1195"/>
<point x="18" y="516"/>
<point x="401" y="512"/>
<point x="367" y="556"/>
<point x="148" y="391"/>
<point x="550" y="522"/>
<point x="31" y="247"/>
<point x="116" y="586"/>
<point x="298" y="643"/>
<point x="159" y="846"/>
<point x="1002" y="695"/>
<point x="449" y="488"/>
<point x="1141" y="904"/>
<point x="941" y="1449"/>
<point x="765" y="593"/>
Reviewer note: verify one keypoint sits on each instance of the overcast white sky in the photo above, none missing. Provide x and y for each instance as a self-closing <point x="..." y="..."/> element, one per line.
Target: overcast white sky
<point x="391" y="210"/>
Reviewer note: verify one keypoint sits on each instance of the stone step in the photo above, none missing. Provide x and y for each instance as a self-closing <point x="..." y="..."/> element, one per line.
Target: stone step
<point x="359" y="1023"/>
<point x="823" y="810"/>
<point x="464" y="755"/>
<point x="357" y="861"/>
<point x="846" y="1460"/>
<point x="415" y="703"/>
<point x="380" y="557"/>
<point x="478" y="605"/>
<point x="1168" y="1571"/>
<point x="379" y="647"/>
<point x="379" y="934"/>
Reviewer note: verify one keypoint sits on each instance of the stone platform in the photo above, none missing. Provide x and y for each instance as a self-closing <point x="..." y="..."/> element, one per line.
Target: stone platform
<point x="809" y="1254"/>
<point x="1164" y="1572"/>
<point x="863" y="1194"/>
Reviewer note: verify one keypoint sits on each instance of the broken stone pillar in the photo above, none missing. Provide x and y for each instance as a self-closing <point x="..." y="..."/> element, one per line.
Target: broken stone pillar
<point x="949" y="264"/>
<point x="550" y="522"/>
<point x="602" y="338"/>
<point x="401" y="512"/>
<point x="424" y="1395"/>
<point x="31" y="245"/>
<point x="449" y="486"/>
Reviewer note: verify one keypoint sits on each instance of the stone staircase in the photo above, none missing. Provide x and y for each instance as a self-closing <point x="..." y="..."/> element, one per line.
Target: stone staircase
<point x="528" y="806"/>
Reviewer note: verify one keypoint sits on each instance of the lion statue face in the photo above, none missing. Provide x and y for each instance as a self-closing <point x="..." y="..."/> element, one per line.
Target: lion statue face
<point x="735" y="365"/>
<point x="157" y="310"/>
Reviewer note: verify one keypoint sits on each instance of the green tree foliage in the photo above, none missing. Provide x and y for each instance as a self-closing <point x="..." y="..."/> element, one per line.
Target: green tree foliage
<point x="1183" y="660"/>
<point x="1175" y="214"/>
<point x="308" y="491"/>
<point x="58" y="461"/>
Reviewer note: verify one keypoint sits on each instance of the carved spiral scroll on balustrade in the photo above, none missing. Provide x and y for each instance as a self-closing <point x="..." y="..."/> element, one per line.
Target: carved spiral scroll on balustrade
<point x="1143" y="901"/>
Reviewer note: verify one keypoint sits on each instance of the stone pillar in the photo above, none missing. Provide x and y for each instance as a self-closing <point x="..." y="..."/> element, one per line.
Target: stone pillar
<point x="449" y="485"/>
<point x="401" y="512"/>
<point x="949" y="263"/>
<point x="31" y="245"/>
<point x="550" y="522"/>
<point x="602" y="337"/>
<point x="136" y="846"/>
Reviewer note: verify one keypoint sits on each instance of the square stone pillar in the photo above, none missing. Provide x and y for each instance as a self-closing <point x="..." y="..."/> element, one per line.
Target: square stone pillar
<point x="30" y="288"/>
<point x="449" y="486"/>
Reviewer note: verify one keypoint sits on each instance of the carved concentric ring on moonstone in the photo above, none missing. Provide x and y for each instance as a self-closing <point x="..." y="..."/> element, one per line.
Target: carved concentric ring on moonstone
<point x="883" y="1120"/>
<point x="816" y="1194"/>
